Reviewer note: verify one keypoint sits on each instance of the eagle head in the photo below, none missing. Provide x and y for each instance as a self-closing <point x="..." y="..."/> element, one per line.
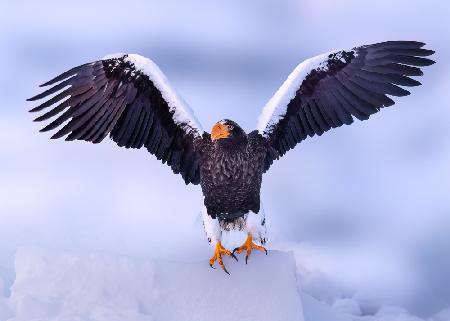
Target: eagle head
<point x="227" y="130"/>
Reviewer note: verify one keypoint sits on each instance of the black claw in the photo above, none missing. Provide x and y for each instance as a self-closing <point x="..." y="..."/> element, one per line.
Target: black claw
<point x="246" y="259"/>
<point x="234" y="257"/>
<point x="235" y="249"/>
<point x="212" y="267"/>
<point x="266" y="251"/>
<point x="225" y="270"/>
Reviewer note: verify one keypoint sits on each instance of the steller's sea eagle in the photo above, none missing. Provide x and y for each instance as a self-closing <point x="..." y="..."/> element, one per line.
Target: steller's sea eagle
<point x="128" y="97"/>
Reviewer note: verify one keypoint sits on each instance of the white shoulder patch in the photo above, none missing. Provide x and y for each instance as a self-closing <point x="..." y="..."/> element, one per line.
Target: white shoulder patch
<point x="114" y="56"/>
<point x="276" y="108"/>
<point x="182" y="113"/>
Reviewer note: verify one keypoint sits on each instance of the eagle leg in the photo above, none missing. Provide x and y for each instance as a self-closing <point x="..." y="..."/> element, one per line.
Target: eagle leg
<point x="248" y="246"/>
<point x="218" y="252"/>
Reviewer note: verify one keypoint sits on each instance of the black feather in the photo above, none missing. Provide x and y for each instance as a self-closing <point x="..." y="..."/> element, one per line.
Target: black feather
<point x="65" y="75"/>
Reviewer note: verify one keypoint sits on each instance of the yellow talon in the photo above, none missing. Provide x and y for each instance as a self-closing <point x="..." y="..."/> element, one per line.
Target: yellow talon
<point x="249" y="246"/>
<point x="218" y="252"/>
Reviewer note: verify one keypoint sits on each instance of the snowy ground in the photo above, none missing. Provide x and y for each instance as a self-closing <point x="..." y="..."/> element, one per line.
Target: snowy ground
<point x="54" y="285"/>
<point x="68" y="286"/>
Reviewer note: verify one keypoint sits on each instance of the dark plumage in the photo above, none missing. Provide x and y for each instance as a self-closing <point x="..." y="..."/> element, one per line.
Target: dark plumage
<point x="231" y="173"/>
<point x="112" y="97"/>
<point x="129" y="98"/>
<point x="348" y="83"/>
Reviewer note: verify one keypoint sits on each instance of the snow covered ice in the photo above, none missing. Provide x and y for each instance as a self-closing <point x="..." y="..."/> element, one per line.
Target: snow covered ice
<point x="55" y="285"/>
<point x="68" y="286"/>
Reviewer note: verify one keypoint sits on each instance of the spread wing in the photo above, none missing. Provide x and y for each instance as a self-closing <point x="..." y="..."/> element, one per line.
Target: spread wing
<point x="129" y="98"/>
<point x="329" y="90"/>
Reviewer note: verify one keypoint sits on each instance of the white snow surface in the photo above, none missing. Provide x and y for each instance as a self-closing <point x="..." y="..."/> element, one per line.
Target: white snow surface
<point x="183" y="114"/>
<point x="276" y="107"/>
<point x="55" y="285"/>
<point x="92" y="287"/>
<point x="68" y="286"/>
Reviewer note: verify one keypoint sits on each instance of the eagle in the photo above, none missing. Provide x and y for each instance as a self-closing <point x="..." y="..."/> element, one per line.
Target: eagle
<point x="127" y="97"/>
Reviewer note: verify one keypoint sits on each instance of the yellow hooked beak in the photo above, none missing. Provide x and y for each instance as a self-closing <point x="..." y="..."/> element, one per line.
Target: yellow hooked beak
<point x="219" y="131"/>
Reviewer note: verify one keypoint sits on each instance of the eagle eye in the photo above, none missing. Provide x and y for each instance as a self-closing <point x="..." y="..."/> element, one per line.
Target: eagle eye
<point x="230" y="127"/>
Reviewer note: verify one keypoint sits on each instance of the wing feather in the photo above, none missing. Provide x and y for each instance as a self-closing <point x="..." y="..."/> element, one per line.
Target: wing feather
<point x="129" y="98"/>
<point x="329" y="90"/>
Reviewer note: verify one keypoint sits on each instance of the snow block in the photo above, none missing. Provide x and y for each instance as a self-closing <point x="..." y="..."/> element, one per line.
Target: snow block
<point x="67" y="286"/>
<point x="264" y="289"/>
